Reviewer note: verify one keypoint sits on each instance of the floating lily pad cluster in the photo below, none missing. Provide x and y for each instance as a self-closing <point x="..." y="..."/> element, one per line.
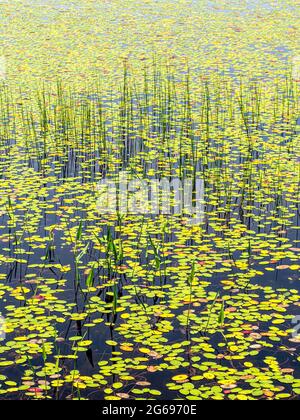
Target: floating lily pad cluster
<point x="116" y="305"/>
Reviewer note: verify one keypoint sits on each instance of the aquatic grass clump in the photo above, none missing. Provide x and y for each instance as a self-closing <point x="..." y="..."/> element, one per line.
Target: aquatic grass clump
<point x="106" y="302"/>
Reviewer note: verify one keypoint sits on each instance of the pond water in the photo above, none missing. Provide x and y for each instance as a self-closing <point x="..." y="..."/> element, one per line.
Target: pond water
<point x="100" y="304"/>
